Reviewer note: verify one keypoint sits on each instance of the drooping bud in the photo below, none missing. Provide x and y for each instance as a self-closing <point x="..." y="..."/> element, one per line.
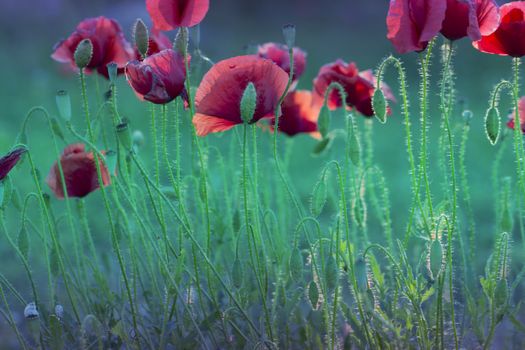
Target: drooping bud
<point x="63" y="102"/>
<point x="124" y="135"/>
<point x="323" y="123"/>
<point x="237" y="273"/>
<point x="83" y="53"/>
<point x="313" y="295"/>
<point x="248" y="103"/>
<point x="319" y="196"/>
<point x="379" y="106"/>
<point x="289" y="35"/>
<point x="23" y="242"/>
<point x="296" y="265"/>
<point x="112" y="72"/>
<point x="31" y="312"/>
<point x="141" y="37"/>
<point x="492" y="125"/>
<point x="332" y="274"/>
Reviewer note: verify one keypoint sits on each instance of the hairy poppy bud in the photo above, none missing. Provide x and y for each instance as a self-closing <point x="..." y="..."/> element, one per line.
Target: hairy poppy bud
<point x="248" y="103"/>
<point x="323" y="124"/>
<point x="83" y="53"/>
<point x="289" y="35"/>
<point x="124" y="135"/>
<point x="296" y="265"/>
<point x="112" y="72"/>
<point x="492" y="125"/>
<point x="319" y="195"/>
<point x="379" y="105"/>
<point x="64" y="105"/>
<point x="331" y="274"/>
<point x="313" y="295"/>
<point x="181" y="41"/>
<point x="141" y="37"/>
<point x="30" y="311"/>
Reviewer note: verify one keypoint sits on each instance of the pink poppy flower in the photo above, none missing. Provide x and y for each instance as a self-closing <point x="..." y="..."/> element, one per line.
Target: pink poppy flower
<point x="279" y="54"/>
<point x="172" y="14"/>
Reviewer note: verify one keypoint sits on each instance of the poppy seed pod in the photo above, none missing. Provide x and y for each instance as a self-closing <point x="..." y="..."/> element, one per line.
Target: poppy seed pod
<point x="63" y="102"/>
<point x="248" y="103"/>
<point x="30" y="311"/>
<point x="124" y="135"/>
<point x="112" y="72"/>
<point x="83" y="53"/>
<point x="289" y="35"/>
<point x="141" y="37"/>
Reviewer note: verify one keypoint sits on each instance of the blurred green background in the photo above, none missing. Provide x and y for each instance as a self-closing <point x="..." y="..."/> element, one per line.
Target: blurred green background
<point x="353" y="30"/>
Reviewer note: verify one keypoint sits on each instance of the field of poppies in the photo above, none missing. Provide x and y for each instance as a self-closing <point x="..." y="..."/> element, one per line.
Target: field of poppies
<point x="165" y="198"/>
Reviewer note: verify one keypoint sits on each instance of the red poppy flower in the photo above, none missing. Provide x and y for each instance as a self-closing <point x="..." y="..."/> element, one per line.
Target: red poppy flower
<point x="80" y="173"/>
<point x="475" y="18"/>
<point x="159" y="78"/>
<point x="280" y="55"/>
<point x="359" y="87"/>
<point x="521" y="108"/>
<point x="507" y="40"/>
<point x="109" y="45"/>
<point x="158" y="41"/>
<point x="218" y="97"/>
<point x="412" y="24"/>
<point x="8" y="162"/>
<point x="171" y="14"/>
<point x="299" y="114"/>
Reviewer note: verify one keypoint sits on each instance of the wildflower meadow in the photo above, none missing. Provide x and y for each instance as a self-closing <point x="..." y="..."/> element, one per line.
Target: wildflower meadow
<point x="270" y="196"/>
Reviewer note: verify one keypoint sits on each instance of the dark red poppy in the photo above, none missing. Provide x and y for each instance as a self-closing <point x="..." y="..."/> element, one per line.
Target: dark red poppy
<point x="80" y="173"/>
<point x="507" y="40"/>
<point x="359" y="87"/>
<point x="411" y="24"/>
<point x="521" y="108"/>
<point x="158" y="41"/>
<point x="218" y="97"/>
<point x="171" y="14"/>
<point x="159" y="78"/>
<point x="8" y="162"/>
<point x="280" y="55"/>
<point x="299" y="114"/>
<point x="109" y="45"/>
<point x="475" y="18"/>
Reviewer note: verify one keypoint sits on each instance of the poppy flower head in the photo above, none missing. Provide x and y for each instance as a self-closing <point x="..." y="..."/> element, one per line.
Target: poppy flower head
<point x="280" y="55"/>
<point x="159" y="78"/>
<point x="507" y="40"/>
<point x="411" y="24"/>
<point x="472" y="18"/>
<point x="219" y="95"/>
<point x="359" y="87"/>
<point x="172" y="14"/>
<point x="299" y="114"/>
<point x="80" y="173"/>
<point x="8" y="162"/>
<point x="521" y="108"/>
<point x="158" y="41"/>
<point x="109" y="45"/>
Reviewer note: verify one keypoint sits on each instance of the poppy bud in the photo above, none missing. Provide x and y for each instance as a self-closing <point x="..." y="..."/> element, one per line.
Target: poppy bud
<point x="83" y="53"/>
<point x="289" y="35"/>
<point x="64" y="105"/>
<point x="319" y="196"/>
<point x="112" y="72"/>
<point x="248" y="103"/>
<point x="332" y="274"/>
<point x="313" y="295"/>
<point x="237" y="274"/>
<point x="492" y="125"/>
<point x="30" y="311"/>
<point x="141" y="37"/>
<point x="435" y="258"/>
<point x="323" y="123"/>
<point x="501" y="293"/>
<point x="181" y="41"/>
<point x="23" y="242"/>
<point x="379" y="105"/>
<point x="296" y="265"/>
<point x="124" y="135"/>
